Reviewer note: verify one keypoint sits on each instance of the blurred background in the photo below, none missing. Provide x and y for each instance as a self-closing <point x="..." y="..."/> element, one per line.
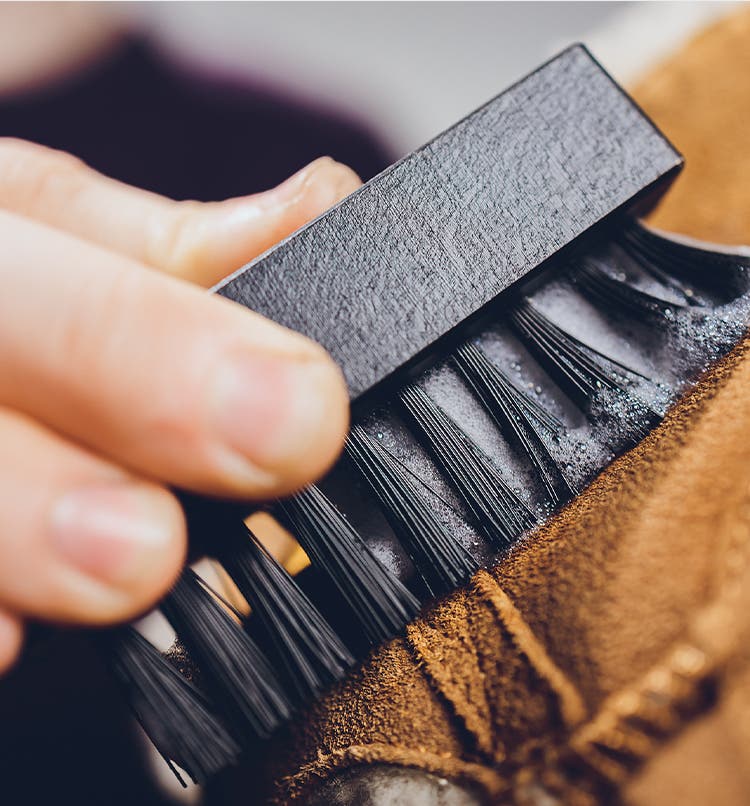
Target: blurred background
<point x="207" y="100"/>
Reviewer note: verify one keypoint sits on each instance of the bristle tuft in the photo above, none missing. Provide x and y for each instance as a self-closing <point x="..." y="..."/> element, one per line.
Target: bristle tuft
<point x="574" y="365"/>
<point x="680" y="265"/>
<point x="177" y="717"/>
<point x="510" y="409"/>
<point x="583" y="372"/>
<point x="495" y="508"/>
<point x="301" y="642"/>
<point x="380" y="603"/>
<point x="234" y="671"/>
<point x="441" y="561"/>
<point x="612" y="292"/>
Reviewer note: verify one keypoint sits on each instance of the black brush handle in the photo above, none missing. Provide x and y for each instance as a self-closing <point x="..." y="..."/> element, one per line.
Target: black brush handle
<point x="393" y="269"/>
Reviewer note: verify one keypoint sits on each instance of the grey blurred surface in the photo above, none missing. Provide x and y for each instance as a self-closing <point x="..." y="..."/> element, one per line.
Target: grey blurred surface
<point x="411" y="70"/>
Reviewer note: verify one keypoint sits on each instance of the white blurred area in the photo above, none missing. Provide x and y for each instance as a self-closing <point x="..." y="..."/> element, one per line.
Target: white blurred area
<point x="410" y="70"/>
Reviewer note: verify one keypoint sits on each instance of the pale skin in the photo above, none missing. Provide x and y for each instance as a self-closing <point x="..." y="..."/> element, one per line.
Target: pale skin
<point x="120" y="379"/>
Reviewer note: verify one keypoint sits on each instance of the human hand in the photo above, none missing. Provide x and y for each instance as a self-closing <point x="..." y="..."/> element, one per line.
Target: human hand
<point x="117" y="379"/>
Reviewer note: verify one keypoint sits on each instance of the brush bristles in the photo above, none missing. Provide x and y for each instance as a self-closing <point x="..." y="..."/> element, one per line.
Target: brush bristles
<point x="613" y="293"/>
<point x="176" y="716"/>
<point x="380" y="603"/>
<point x="301" y="643"/>
<point x="654" y="267"/>
<point x="681" y="264"/>
<point x="515" y="415"/>
<point x="440" y="560"/>
<point x="496" y="510"/>
<point x="583" y="372"/>
<point x="572" y="364"/>
<point x="234" y="671"/>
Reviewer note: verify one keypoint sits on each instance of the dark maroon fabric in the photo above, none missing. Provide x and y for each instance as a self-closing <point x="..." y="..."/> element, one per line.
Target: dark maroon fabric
<point x="145" y="122"/>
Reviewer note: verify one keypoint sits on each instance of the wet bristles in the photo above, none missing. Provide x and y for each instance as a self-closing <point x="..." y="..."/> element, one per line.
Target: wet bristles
<point x="496" y="510"/>
<point x="378" y="601"/>
<point x="440" y="560"/>
<point x="511" y="410"/>
<point x="571" y="363"/>
<point x="610" y="292"/>
<point x="176" y="716"/>
<point x="301" y="643"/>
<point x="682" y="264"/>
<point x="584" y="373"/>
<point x="235" y="673"/>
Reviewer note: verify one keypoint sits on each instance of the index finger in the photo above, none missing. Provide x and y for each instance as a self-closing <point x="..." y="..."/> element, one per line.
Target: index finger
<point x="197" y="241"/>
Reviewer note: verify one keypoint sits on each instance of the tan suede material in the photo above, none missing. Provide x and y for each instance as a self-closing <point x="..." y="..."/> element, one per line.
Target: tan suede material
<point x="701" y="100"/>
<point x="608" y="657"/>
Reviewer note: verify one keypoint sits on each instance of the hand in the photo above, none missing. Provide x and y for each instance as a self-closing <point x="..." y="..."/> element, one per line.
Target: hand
<point x="116" y="380"/>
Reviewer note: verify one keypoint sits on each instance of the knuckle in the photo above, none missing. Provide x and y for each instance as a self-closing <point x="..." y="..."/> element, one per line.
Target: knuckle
<point x="33" y="176"/>
<point x="174" y="242"/>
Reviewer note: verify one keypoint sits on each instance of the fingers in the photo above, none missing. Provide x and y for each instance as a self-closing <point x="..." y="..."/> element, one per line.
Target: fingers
<point x="11" y="638"/>
<point x="201" y="242"/>
<point x="174" y="383"/>
<point x="80" y="540"/>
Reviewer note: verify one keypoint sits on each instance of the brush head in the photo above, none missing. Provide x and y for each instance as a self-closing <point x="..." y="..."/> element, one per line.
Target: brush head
<point x="520" y="332"/>
<point x="384" y="278"/>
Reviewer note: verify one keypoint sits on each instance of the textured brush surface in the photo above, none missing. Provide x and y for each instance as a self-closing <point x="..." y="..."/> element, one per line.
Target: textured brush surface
<point x="425" y="245"/>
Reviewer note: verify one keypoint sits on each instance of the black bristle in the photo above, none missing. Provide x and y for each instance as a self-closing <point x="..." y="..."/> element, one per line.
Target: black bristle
<point x="234" y="671"/>
<point x="380" y="603"/>
<point x="583" y="372"/>
<point x="301" y="642"/>
<point x="572" y="362"/>
<point x="496" y="509"/>
<point x="510" y="409"/>
<point x="177" y="717"/>
<point x="681" y="264"/>
<point x="441" y="561"/>
<point x="615" y="293"/>
<point x="625" y="251"/>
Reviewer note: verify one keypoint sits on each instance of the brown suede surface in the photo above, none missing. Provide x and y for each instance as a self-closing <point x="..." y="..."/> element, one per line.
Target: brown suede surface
<point x="608" y="657"/>
<point x="701" y="101"/>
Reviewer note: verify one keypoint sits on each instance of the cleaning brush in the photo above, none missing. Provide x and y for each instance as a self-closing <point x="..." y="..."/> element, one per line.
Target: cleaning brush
<point x="507" y="327"/>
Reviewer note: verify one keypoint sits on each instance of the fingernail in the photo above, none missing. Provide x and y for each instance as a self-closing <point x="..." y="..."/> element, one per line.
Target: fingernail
<point x="291" y="188"/>
<point x="269" y="411"/>
<point x="111" y="531"/>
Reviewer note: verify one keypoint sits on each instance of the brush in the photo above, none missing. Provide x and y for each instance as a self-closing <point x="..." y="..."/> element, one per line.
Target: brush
<point x="507" y="327"/>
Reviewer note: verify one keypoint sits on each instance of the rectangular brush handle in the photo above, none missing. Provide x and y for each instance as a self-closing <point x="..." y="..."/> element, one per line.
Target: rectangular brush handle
<point x="425" y="245"/>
